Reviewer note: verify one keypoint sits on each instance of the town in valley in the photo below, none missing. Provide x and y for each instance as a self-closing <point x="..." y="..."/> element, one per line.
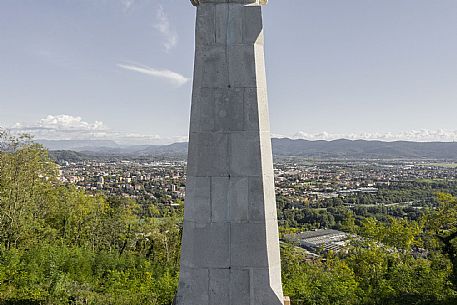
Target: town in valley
<point x="313" y="196"/>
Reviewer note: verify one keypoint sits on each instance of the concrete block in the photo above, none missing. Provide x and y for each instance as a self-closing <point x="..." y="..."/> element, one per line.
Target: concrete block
<point x="218" y="109"/>
<point x="262" y="199"/>
<point x="274" y="261"/>
<point x="229" y="110"/>
<point x="245" y="158"/>
<point x="256" y="110"/>
<point x="267" y="155"/>
<point x="269" y="197"/>
<point x="197" y="206"/>
<point x="193" y="287"/>
<point x="240" y="287"/>
<point x="206" y="245"/>
<point x="275" y="280"/>
<point x="202" y="113"/>
<point x="219" y="199"/>
<point x="251" y="110"/>
<point x="263" y="292"/>
<point x="219" y="286"/>
<point x="242" y="66"/>
<point x="229" y="199"/>
<point x="253" y="25"/>
<point x="214" y="62"/>
<point x="248" y="245"/>
<point x="194" y="111"/>
<point x="235" y="24"/>
<point x="256" y="200"/>
<point x="261" y="77"/>
<point x="264" y="117"/>
<point x="205" y="25"/>
<point x="222" y="13"/>
<point x="208" y="154"/>
<point x="238" y="199"/>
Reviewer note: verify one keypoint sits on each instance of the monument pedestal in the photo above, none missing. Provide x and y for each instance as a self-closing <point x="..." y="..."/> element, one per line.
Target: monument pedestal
<point x="230" y="247"/>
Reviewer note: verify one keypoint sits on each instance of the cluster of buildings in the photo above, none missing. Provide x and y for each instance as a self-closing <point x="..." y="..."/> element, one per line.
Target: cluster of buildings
<point x="156" y="181"/>
<point x="317" y="180"/>
<point x="299" y="180"/>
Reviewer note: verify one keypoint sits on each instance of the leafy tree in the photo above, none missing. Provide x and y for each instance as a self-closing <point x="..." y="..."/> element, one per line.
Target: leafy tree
<point x="59" y="245"/>
<point x="317" y="282"/>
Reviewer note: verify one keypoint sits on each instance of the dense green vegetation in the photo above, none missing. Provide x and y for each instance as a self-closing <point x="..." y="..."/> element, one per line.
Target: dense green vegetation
<point x="396" y="262"/>
<point x="59" y="245"/>
<point x="405" y="199"/>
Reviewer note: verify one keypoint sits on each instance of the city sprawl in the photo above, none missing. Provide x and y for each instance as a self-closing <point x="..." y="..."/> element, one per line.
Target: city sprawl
<point x="309" y="193"/>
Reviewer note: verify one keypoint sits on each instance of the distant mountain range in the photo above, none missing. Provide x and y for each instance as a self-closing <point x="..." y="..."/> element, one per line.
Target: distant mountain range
<point x="78" y="145"/>
<point x="359" y="149"/>
<point x="362" y="149"/>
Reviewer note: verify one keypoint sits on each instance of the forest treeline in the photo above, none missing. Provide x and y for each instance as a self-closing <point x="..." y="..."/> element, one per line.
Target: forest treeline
<point x="59" y="245"/>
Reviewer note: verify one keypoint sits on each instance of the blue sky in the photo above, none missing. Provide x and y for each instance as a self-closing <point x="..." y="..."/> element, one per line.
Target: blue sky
<point x="122" y="69"/>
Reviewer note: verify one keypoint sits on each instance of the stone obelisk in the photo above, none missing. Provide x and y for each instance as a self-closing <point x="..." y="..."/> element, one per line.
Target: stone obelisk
<point x="230" y="247"/>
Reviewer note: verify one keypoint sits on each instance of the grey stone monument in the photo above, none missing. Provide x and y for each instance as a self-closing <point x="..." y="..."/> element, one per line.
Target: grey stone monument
<point x="230" y="246"/>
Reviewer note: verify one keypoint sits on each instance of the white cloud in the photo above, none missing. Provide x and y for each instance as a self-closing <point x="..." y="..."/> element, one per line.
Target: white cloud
<point x="67" y="127"/>
<point x="164" y="27"/>
<point x="128" y="3"/>
<point x="63" y="121"/>
<point x="61" y="127"/>
<point x="173" y="77"/>
<point x="422" y="135"/>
